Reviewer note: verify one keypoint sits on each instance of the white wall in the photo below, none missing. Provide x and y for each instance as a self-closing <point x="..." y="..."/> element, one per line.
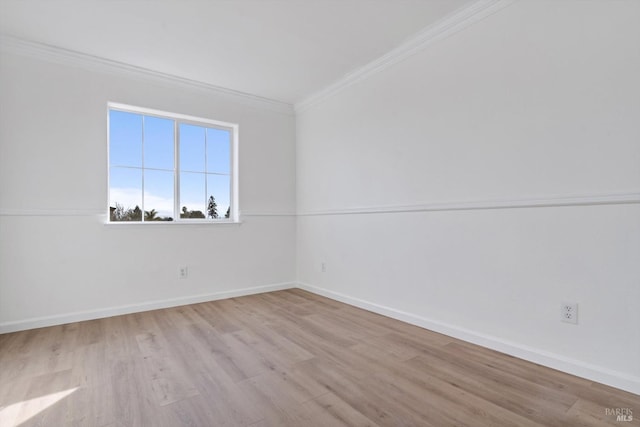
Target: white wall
<point x="536" y="104"/>
<point x="58" y="258"/>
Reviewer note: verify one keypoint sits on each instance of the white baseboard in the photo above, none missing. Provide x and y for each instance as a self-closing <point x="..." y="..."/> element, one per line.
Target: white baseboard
<point x="591" y="372"/>
<point x="59" y="319"/>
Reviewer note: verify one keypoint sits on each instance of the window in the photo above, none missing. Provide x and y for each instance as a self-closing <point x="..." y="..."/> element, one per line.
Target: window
<point x="170" y="167"/>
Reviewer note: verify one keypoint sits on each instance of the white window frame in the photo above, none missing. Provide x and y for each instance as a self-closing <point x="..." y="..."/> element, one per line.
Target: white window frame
<point x="234" y="214"/>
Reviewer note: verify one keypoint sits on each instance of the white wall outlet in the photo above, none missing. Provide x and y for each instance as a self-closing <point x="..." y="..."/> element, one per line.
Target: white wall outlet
<point x="183" y="272"/>
<point x="569" y="312"/>
<point x="323" y="267"/>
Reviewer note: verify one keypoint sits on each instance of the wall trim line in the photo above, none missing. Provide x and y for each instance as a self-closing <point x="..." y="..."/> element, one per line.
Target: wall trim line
<point x="78" y="316"/>
<point x="621" y="380"/>
<point x="542" y="202"/>
<point x="50" y="53"/>
<point x="451" y="24"/>
<point x="51" y="212"/>
<point x="266" y="213"/>
<point x="102" y="213"/>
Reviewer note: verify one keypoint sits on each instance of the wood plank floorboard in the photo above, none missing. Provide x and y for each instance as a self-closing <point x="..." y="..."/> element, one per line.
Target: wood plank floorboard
<point x="286" y="358"/>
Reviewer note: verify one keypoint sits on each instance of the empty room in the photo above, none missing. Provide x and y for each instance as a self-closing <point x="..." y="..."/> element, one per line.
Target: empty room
<point x="319" y="213"/>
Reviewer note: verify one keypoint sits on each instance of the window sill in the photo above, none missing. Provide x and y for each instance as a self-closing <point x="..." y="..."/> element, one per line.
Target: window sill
<point x="170" y="223"/>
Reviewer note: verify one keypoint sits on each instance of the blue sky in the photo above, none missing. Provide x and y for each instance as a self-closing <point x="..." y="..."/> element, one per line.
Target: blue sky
<point x="204" y="163"/>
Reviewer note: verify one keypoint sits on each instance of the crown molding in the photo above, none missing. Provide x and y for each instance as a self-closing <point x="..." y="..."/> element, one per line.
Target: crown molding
<point x="447" y="26"/>
<point x="55" y="54"/>
<point x="545" y="202"/>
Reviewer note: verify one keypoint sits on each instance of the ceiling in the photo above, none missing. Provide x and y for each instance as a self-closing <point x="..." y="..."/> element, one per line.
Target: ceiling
<point x="283" y="50"/>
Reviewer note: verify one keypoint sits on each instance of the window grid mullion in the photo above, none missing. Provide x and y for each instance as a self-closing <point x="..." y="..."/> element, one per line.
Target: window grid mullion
<point x="138" y="167"/>
<point x="206" y="191"/>
<point x="231" y="172"/>
<point x="142" y="207"/>
<point x="176" y="170"/>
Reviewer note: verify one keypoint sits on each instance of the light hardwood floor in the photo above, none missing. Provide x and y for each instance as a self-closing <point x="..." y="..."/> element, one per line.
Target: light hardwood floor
<point x="287" y="358"/>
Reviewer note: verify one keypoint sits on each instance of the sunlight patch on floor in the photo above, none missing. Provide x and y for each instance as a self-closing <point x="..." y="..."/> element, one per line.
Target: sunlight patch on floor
<point x="19" y="412"/>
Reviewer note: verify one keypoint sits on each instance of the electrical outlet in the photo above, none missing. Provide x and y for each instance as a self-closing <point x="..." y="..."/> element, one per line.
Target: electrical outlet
<point x="569" y="312"/>
<point x="323" y="267"/>
<point x="183" y="272"/>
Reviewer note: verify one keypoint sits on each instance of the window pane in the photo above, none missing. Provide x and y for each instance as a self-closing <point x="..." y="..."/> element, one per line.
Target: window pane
<point x="158" y="195"/>
<point x="218" y="150"/>
<point x="144" y="166"/>
<point x="125" y="139"/>
<point x="192" y="195"/>
<point x="192" y="148"/>
<point x="218" y="186"/>
<point x="158" y="143"/>
<point x="125" y="194"/>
